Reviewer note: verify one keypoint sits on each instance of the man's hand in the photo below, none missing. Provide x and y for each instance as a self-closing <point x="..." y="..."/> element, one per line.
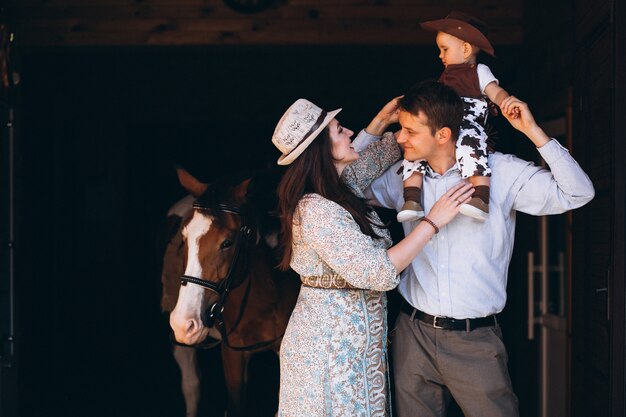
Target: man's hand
<point x="523" y="120"/>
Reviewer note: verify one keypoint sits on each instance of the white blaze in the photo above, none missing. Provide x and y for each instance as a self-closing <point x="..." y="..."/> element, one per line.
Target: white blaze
<point x="198" y="226"/>
<point x="189" y="305"/>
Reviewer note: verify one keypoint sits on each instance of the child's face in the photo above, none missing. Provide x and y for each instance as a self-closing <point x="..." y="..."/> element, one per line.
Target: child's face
<point x="452" y="50"/>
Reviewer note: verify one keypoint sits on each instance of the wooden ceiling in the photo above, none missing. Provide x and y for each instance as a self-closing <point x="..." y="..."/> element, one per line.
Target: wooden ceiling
<point x="212" y="22"/>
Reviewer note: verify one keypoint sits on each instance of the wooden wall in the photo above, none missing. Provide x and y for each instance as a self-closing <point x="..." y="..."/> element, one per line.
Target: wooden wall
<point x="598" y="281"/>
<point x="211" y="22"/>
<point x="545" y="81"/>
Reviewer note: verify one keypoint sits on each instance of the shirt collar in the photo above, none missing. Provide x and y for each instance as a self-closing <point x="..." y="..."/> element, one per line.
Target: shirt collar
<point x="454" y="169"/>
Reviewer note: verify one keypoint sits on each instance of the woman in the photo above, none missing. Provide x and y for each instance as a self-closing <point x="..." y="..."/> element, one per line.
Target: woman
<point x="333" y="357"/>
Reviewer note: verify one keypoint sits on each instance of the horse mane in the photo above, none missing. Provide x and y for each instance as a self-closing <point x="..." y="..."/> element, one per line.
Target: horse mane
<point x="262" y="200"/>
<point x="259" y="204"/>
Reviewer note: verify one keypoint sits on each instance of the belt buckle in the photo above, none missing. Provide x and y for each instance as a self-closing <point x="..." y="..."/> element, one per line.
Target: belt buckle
<point x="435" y="322"/>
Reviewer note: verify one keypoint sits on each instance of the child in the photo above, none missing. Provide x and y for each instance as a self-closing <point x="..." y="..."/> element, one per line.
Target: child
<point x="460" y="38"/>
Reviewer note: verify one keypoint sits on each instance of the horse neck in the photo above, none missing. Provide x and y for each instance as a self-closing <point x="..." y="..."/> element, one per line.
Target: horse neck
<point x="263" y="302"/>
<point x="259" y="277"/>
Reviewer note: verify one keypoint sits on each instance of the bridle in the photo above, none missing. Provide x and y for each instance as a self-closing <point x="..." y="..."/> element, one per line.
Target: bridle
<point x="225" y="285"/>
<point x="238" y="269"/>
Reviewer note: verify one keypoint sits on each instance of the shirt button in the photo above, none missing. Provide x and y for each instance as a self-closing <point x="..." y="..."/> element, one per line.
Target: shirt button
<point x="443" y="265"/>
<point x="444" y="293"/>
<point x="441" y="237"/>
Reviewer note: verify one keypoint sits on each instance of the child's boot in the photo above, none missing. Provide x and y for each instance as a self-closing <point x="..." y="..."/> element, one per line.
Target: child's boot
<point x="412" y="208"/>
<point x="478" y="206"/>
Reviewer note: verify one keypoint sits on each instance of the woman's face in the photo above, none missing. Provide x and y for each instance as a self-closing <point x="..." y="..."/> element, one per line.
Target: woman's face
<point x="342" y="150"/>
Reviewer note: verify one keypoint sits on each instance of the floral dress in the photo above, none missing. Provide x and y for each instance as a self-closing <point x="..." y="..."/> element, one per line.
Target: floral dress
<point x="333" y="357"/>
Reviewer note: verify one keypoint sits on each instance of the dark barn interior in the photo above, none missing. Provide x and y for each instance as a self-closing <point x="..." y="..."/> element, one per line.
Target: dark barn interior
<point x="103" y="98"/>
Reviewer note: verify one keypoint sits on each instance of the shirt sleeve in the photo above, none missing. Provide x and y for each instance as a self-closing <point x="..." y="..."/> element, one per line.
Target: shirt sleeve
<point x="386" y="190"/>
<point x="564" y="187"/>
<point x="363" y="140"/>
<point x="485" y="76"/>
<point x="333" y="234"/>
<point x="372" y="162"/>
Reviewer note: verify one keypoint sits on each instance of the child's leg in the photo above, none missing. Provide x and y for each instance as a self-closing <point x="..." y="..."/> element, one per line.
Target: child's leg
<point x="413" y="188"/>
<point x="471" y="153"/>
<point x="412" y="208"/>
<point x="481" y="187"/>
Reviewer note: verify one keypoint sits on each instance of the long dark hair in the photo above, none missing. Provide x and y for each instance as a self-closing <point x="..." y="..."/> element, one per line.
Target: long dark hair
<point x="314" y="172"/>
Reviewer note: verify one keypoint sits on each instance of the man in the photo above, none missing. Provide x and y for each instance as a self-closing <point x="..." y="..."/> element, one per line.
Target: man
<point x="447" y="339"/>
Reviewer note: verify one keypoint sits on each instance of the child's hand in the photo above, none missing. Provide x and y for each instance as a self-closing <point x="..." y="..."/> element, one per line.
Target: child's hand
<point x="510" y="108"/>
<point x="518" y="114"/>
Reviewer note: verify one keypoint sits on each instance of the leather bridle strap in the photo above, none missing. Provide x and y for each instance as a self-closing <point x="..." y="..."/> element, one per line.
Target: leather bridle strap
<point x="243" y="240"/>
<point x="214" y="313"/>
<point x="206" y="284"/>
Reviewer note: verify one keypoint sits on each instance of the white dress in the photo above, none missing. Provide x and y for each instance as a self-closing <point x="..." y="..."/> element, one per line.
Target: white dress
<point x="333" y="358"/>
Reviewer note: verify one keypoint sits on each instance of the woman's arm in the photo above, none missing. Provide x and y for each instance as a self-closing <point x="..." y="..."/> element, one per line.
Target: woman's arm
<point x="372" y="133"/>
<point x="372" y="162"/>
<point x="387" y="116"/>
<point x="379" y="155"/>
<point x="337" y="240"/>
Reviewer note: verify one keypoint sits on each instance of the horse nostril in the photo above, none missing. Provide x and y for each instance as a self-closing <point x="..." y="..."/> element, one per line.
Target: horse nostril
<point x="192" y="326"/>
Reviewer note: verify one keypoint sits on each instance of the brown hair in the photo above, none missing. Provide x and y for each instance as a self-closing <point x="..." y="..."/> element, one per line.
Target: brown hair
<point x="439" y="103"/>
<point x="314" y="172"/>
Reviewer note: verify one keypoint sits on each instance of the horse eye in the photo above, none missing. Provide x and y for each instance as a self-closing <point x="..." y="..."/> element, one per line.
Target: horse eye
<point x="226" y="244"/>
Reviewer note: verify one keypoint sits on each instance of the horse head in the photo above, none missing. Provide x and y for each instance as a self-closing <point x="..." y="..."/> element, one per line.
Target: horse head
<point x="218" y="237"/>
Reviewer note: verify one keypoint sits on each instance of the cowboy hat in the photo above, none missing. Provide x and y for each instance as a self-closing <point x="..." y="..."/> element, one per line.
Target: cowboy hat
<point x="463" y="26"/>
<point x="300" y="125"/>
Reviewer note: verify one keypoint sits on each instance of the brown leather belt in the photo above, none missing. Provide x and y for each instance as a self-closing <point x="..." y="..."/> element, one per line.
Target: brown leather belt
<point x="448" y="323"/>
<point x="327" y="281"/>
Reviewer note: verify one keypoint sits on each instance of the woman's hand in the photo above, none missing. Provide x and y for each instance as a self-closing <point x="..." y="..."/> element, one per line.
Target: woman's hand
<point x="440" y="214"/>
<point x="389" y="112"/>
<point x="444" y="210"/>
<point x="388" y="115"/>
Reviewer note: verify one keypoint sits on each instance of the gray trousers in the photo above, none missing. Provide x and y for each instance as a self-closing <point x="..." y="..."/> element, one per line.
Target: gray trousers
<point x="431" y="364"/>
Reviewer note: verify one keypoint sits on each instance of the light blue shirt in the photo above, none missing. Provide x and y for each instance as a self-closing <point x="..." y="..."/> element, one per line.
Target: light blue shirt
<point x="462" y="271"/>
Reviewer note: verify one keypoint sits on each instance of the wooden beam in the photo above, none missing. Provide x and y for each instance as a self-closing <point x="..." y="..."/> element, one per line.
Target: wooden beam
<point x="204" y="22"/>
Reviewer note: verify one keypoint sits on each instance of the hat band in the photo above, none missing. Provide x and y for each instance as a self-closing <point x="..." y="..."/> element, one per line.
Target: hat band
<point x="313" y="128"/>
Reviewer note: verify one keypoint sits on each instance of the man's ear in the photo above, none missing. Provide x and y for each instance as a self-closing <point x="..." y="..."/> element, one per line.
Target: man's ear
<point x="444" y="135"/>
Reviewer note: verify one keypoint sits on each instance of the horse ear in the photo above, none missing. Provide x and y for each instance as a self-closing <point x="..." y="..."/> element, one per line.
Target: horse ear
<point x="190" y="183"/>
<point x="240" y="191"/>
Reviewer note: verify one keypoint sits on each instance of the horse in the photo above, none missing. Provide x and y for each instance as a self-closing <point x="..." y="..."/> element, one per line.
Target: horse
<point x="170" y="249"/>
<point x="230" y="281"/>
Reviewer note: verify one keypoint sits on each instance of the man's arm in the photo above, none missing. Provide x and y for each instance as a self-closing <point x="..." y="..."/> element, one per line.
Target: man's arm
<point x="525" y="121"/>
<point x="539" y="191"/>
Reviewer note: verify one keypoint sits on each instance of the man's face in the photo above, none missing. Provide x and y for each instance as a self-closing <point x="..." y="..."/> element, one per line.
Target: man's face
<point x="415" y="136"/>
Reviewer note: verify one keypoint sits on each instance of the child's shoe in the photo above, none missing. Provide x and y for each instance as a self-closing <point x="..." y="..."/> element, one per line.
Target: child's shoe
<point x="475" y="208"/>
<point x="411" y="210"/>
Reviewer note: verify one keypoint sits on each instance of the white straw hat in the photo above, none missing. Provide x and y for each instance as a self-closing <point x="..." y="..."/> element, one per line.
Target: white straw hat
<point x="300" y="124"/>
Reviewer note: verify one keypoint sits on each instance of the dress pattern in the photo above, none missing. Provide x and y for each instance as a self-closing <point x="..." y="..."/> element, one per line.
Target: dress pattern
<point x="333" y="357"/>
